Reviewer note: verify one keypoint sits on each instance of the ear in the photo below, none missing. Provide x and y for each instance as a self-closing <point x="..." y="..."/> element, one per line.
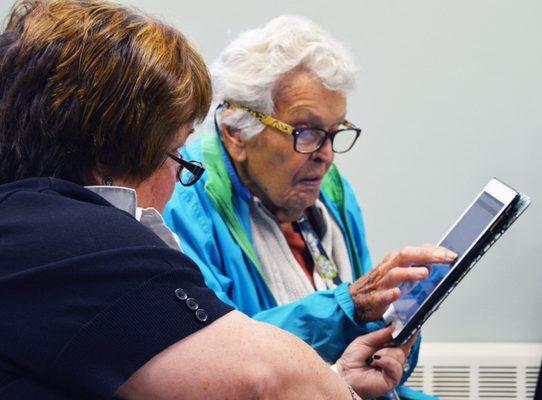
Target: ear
<point x="100" y="176"/>
<point x="234" y="143"/>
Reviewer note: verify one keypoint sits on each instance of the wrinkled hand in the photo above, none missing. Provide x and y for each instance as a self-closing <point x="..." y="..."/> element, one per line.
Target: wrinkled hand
<point x="386" y="363"/>
<point x="373" y="293"/>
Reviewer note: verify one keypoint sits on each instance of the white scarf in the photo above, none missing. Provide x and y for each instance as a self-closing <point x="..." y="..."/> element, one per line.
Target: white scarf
<point x="281" y="271"/>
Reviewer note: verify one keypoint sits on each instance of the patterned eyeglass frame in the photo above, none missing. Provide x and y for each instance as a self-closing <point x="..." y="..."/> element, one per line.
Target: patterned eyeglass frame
<point x="283" y="126"/>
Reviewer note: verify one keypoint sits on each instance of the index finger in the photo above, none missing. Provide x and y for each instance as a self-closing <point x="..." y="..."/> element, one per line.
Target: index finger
<point x="425" y="254"/>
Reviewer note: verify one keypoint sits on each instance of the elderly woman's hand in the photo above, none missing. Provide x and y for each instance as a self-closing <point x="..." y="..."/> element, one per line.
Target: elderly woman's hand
<point x="374" y="292"/>
<point x="371" y="369"/>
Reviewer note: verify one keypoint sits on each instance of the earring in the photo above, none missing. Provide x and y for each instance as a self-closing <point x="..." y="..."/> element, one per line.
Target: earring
<point x="108" y="181"/>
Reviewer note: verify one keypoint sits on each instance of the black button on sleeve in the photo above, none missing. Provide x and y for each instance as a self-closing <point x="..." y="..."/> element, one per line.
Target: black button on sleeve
<point x="201" y="315"/>
<point x="181" y="294"/>
<point x="192" y="304"/>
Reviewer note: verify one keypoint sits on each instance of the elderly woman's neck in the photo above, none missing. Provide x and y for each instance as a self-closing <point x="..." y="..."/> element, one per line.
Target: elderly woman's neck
<point x="284" y="215"/>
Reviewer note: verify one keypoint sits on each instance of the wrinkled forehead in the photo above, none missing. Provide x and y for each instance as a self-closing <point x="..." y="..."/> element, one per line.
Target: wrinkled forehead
<point x="301" y="94"/>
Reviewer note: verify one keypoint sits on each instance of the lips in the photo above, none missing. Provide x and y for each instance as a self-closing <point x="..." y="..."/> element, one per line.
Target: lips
<point x="312" y="177"/>
<point x="315" y="180"/>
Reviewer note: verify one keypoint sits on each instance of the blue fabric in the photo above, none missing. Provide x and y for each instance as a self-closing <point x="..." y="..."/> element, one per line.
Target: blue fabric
<point x="407" y="393"/>
<point x="324" y="319"/>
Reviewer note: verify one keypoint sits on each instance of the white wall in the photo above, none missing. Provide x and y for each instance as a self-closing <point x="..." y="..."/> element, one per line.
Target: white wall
<point x="450" y="95"/>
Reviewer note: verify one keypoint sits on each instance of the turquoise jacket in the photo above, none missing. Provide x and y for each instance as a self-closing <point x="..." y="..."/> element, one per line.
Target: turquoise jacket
<point x="212" y="220"/>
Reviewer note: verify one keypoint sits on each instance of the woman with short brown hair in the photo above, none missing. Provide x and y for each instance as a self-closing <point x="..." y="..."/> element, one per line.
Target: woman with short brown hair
<point x="80" y="96"/>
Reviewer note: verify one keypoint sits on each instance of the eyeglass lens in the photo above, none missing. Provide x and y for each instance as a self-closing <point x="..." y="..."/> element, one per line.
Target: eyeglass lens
<point x="309" y="140"/>
<point x="189" y="171"/>
<point x="344" y="140"/>
<point x="186" y="177"/>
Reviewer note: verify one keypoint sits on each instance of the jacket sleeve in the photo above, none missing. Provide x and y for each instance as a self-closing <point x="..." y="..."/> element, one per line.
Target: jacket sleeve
<point x="323" y="319"/>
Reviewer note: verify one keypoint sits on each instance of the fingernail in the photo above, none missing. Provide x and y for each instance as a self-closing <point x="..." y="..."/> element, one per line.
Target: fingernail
<point x="440" y="254"/>
<point x="370" y="360"/>
<point x="445" y="254"/>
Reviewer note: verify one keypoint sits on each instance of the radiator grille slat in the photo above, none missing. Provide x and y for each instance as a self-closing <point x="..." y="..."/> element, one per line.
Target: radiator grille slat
<point x="478" y="371"/>
<point x="531" y="376"/>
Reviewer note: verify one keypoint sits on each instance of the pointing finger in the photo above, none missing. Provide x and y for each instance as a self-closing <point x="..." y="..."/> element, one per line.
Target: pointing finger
<point x="425" y="255"/>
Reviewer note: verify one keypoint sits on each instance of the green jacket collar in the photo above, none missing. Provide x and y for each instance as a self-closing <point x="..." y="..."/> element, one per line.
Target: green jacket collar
<point x="219" y="188"/>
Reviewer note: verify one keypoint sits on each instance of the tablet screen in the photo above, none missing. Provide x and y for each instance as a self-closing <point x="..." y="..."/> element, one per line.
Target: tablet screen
<point x="459" y="239"/>
<point x="473" y="223"/>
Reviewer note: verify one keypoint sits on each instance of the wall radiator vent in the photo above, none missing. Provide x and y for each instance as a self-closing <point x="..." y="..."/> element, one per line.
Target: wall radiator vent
<point x="478" y="371"/>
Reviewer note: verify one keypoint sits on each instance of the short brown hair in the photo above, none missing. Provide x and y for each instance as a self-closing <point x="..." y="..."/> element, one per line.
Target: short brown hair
<point x="90" y="85"/>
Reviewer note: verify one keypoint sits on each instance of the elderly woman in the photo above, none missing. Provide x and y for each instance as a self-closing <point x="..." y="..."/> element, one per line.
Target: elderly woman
<point x="96" y="300"/>
<point x="274" y="227"/>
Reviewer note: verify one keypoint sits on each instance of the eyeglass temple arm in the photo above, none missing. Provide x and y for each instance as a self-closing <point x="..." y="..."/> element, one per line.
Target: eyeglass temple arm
<point x="272" y="122"/>
<point x="264" y="119"/>
<point x="193" y="166"/>
<point x="349" y="124"/>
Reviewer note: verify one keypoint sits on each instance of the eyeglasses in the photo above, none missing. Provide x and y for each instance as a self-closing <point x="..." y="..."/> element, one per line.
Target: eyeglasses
<point x="308" y="140"/>
<point x="189" y="171"/>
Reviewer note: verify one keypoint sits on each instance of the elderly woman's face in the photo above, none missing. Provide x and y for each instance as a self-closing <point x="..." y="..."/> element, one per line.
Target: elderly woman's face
<point x="286" y="181"/>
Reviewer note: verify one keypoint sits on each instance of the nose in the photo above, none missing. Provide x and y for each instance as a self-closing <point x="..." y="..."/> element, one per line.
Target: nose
<point x="325" y="153"/>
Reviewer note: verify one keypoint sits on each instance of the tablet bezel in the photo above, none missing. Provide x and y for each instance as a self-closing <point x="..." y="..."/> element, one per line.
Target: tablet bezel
<point x="501" y="192"/>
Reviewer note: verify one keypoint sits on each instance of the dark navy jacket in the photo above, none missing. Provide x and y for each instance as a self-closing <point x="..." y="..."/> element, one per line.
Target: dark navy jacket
<point x="87" y="293"/>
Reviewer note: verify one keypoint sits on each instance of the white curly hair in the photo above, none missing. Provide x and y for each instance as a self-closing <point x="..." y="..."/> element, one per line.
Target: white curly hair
<point x="251" y="67"/>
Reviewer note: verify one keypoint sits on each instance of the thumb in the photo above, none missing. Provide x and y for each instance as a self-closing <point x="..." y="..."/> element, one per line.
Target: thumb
<point x="377" y="338"/>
